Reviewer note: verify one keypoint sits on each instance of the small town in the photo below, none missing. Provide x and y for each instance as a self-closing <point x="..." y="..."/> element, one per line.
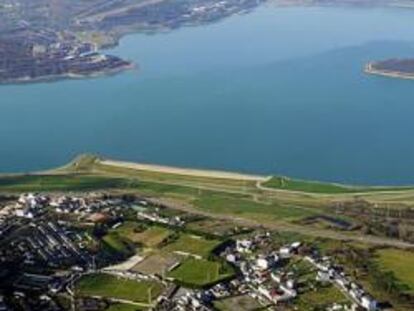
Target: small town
<point x="64" y="252"/>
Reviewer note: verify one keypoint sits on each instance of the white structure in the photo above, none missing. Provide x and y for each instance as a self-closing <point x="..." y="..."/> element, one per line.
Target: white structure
<point x="244" y="246"/>
<point x="368" y="303"/>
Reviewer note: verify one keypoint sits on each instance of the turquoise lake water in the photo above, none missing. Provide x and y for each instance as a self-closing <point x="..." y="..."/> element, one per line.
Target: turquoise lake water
<point x="279" y="90"/>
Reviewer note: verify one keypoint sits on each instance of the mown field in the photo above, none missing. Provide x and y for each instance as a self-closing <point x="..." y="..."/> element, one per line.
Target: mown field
<point x="149" y="237"/>
<point x="200" y="272"/>
<point x="153" y="236"/>
<point x="104" y="285"/>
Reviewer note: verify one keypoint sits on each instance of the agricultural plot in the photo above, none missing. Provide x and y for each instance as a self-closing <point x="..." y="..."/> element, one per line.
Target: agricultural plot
<point x="153" y="236"/>
<point x="198" y="273"/>
<point x="157" y="263"/>
<point x="194" y="245"/>
<point x="399" y="262"/>
<point x="108" y="286"/>
<point x="150" y="237"/>
<point x="245" y="303"/>
<point x="320" y="298"/>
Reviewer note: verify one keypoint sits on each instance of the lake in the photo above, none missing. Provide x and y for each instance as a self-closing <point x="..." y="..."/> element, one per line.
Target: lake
<point x="276" y="91"/>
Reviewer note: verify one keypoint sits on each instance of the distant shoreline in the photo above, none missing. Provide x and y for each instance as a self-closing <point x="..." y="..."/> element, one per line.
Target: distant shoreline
<point x="370" y="69"/>
<point x="68" y="76"/>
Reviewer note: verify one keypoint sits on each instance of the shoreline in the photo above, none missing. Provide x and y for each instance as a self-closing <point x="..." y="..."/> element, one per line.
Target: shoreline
<point x="69" y="76"/>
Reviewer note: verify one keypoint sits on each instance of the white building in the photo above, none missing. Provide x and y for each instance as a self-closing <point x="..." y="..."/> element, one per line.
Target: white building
<point x="368" y="303"/>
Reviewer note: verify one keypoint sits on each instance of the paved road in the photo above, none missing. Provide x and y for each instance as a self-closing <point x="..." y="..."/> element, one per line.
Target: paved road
<point x="285" y="227"/>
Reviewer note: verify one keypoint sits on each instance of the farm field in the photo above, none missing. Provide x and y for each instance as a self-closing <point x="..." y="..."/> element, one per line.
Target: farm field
<point x="109" y="286"/>
<point x="149" y="237"/>
<point x="195" y="272"/>
<point x="320" y="298"/>
<point x="153" y="236"/>
<point x="192" y="244"/>
<point x="401" y="263"/>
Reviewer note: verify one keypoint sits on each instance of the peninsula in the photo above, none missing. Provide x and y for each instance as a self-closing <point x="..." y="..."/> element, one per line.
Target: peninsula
<point x="393" y="68"/>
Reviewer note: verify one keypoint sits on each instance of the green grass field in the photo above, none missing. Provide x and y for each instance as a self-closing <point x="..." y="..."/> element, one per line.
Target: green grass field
<point x="109" y="286"/>
<point x="200" y="272"/>
<point x="153" y="236"/>
<point x="401" y="263"/>
<point x="193" y="245"/>
<point x="244" y="206"/>
<point x="118" y="244"/>
<point x="149" y="237"/>
<point x="320" y="297"/>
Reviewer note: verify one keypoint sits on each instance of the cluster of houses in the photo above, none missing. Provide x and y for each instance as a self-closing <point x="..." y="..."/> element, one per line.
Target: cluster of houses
<point x="327" y="272"/>
<point x="262" y="273"/>
<point x="92" y="208"/>
<point x="183" y="299"/>
<point x="50" y="244"/>
<point x="266" y="278"/>
<point x="30" y="205"/>
<point x="83" y="205"/>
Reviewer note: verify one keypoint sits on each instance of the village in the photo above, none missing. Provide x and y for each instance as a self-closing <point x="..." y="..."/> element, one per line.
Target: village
<point x="53" y="242"/>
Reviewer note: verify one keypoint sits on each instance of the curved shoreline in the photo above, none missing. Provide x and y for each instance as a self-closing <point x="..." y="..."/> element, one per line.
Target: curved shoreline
<point x="69" y="76"/>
